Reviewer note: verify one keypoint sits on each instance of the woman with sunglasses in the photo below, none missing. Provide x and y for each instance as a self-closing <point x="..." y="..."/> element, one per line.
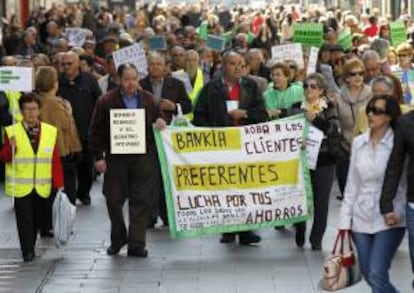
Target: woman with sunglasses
<point x="353" y="95"/>
<point x="376" y="242"/>
<point x="321" y="113"/>
<point x="282" y="98"/>
<point x="404" y="69"/>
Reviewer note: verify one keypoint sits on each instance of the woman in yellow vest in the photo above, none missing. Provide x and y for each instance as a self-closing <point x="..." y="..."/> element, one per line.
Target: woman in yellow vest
<point x="32" y="167"/>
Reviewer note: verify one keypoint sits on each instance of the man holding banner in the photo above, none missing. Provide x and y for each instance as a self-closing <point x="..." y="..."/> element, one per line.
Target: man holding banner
<point x="231" y="101"/>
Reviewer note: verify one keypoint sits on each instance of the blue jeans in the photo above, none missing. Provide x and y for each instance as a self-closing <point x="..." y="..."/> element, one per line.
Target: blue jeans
<point x="410" y="230"/>
<point x="375" y="253"/>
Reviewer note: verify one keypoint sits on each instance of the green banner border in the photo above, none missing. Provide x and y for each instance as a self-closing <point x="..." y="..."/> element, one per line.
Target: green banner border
<point x="231" y="228"/>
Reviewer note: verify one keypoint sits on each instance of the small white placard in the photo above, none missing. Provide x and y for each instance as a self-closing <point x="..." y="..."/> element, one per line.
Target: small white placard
<point x="76" y="36"/>
<point x="313" y="145"/>
<point x="133" y="54"/>
<point x="313" y="60"/>
<point x="293" y="52"/>
<point x="232" y="105"/>
<point x="17" y="79"/>
<point x="128" y="131"/>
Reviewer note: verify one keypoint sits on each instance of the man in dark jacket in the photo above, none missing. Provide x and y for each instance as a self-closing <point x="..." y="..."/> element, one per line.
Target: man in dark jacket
<point x="403" y="147"/>
<point x="127" y="176"/>
<point x="167" y="91"/>
<point x="81" y="90"/>
<point x="212" y="110"/>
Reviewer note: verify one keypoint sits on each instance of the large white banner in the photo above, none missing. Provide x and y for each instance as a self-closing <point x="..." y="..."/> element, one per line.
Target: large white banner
<point x="236" y="178"/>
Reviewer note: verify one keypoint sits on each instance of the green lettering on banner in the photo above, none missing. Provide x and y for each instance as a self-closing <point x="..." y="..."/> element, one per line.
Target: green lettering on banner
<point x="398" y="33"/>
<point x="308" y="34"/>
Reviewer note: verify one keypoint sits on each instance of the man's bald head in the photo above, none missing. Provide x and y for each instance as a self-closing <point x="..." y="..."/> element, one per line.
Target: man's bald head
<point x="70" y="64"/>
<point x="9" y="61"/>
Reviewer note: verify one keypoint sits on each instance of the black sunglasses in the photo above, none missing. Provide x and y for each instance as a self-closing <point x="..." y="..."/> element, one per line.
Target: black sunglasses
<point x="376" y="111"/>
<point x="356" y="73"/>
<point x="311" y="85"/>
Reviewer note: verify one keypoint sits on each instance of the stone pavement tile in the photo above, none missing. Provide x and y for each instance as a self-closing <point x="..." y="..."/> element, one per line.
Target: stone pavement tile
<point x="56" y="288"/>
<point x="294" y="289"/>
<point x="254" y="285"/>
<point x="142" y="289"/>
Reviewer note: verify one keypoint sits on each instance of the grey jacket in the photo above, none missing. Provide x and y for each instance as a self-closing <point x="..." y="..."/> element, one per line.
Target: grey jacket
<point x="348" y="109"/>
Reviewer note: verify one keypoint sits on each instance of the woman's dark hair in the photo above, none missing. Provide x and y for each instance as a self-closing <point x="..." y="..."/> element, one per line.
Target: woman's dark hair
<point x="392" y="107"/>
<point x="124" y="67"/>
<point x="88" y="59"/>
<point x="27" y="98"/>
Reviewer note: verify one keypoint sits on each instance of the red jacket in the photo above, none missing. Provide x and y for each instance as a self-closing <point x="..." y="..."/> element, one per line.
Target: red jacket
<point x="57" y="171"/>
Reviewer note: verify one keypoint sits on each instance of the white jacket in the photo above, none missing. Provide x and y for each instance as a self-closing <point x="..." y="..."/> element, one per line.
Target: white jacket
<point x="360" y="210"/>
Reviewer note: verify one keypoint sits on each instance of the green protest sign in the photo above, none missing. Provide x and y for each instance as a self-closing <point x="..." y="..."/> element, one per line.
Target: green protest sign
<point x="203" y="31"/>
<point x="230" y="179"/>
<point x="308" y="34"/>
<point x="398" y="33"/>
<point x="227" y="37"/>
<point x="345" y="39"/>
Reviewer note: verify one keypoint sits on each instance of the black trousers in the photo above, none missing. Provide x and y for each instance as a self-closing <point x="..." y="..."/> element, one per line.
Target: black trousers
<point x="158" y="201"/>
<point x="129" y="177"/>
<point x="322" y="180"/>
<point x="30" y="211"/>
<point x="70" y="176"/>
<point x="84" y="170"/>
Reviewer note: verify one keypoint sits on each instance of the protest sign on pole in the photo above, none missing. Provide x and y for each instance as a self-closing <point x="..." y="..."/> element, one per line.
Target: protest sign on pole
<point x="134" y="54"/>
<point x="313" y="60"/>
<point x="398" y="33"/>
<point x="286" y="52"/>
<point x="230" y="179"/>
<point x="345" y="39"/>
<point x="216" y="43"/>
<point x="127" y="131"/>
<point x="17" y="79"/>
<point x="157" y="43"/>
<point x="308" y="34"/>
<point x="76" y="36"/>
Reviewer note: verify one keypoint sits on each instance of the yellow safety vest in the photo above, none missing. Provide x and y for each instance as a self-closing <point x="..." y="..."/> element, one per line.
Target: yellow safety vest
<point x="198" y="85"/>
<point x="14" y="109"/>
<point x="30" y="171"/>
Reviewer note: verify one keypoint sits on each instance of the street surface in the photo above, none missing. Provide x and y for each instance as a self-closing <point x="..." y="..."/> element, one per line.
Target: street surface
<point x="195" y="265"/>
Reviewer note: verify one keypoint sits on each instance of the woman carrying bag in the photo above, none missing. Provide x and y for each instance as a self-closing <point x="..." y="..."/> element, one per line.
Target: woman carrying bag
<point x="375" y="241"/>
<point x="321" y="114"/>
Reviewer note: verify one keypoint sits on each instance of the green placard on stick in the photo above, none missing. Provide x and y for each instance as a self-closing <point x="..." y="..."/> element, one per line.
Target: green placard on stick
<point x="308" y="34"/>
<point x="398" y="33"/>
<point x="345" y="39"/>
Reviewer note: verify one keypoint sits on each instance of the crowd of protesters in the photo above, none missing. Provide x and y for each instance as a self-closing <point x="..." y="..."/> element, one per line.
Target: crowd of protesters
<point x="356" y="97"/>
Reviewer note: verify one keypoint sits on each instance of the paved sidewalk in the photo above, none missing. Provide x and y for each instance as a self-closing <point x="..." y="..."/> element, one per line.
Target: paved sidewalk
<point x="194" y="265"/>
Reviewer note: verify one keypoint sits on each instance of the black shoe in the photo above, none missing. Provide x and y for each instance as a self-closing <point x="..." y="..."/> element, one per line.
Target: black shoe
<point x="300" y="236"/>
<point x="246" y="238"/>
<point x="28" y="257"/>
<point x="228" y="237"/>
<point x="316" y="247"/>
<point x="151" y="226"/>
<point x="47" y="234"/>
<point x="114" y="249"/>
<point x="137" y="252"/>
<point x="86" y="201"/>
<point x="280" y="228"/>
<point x="340" y="197"/>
